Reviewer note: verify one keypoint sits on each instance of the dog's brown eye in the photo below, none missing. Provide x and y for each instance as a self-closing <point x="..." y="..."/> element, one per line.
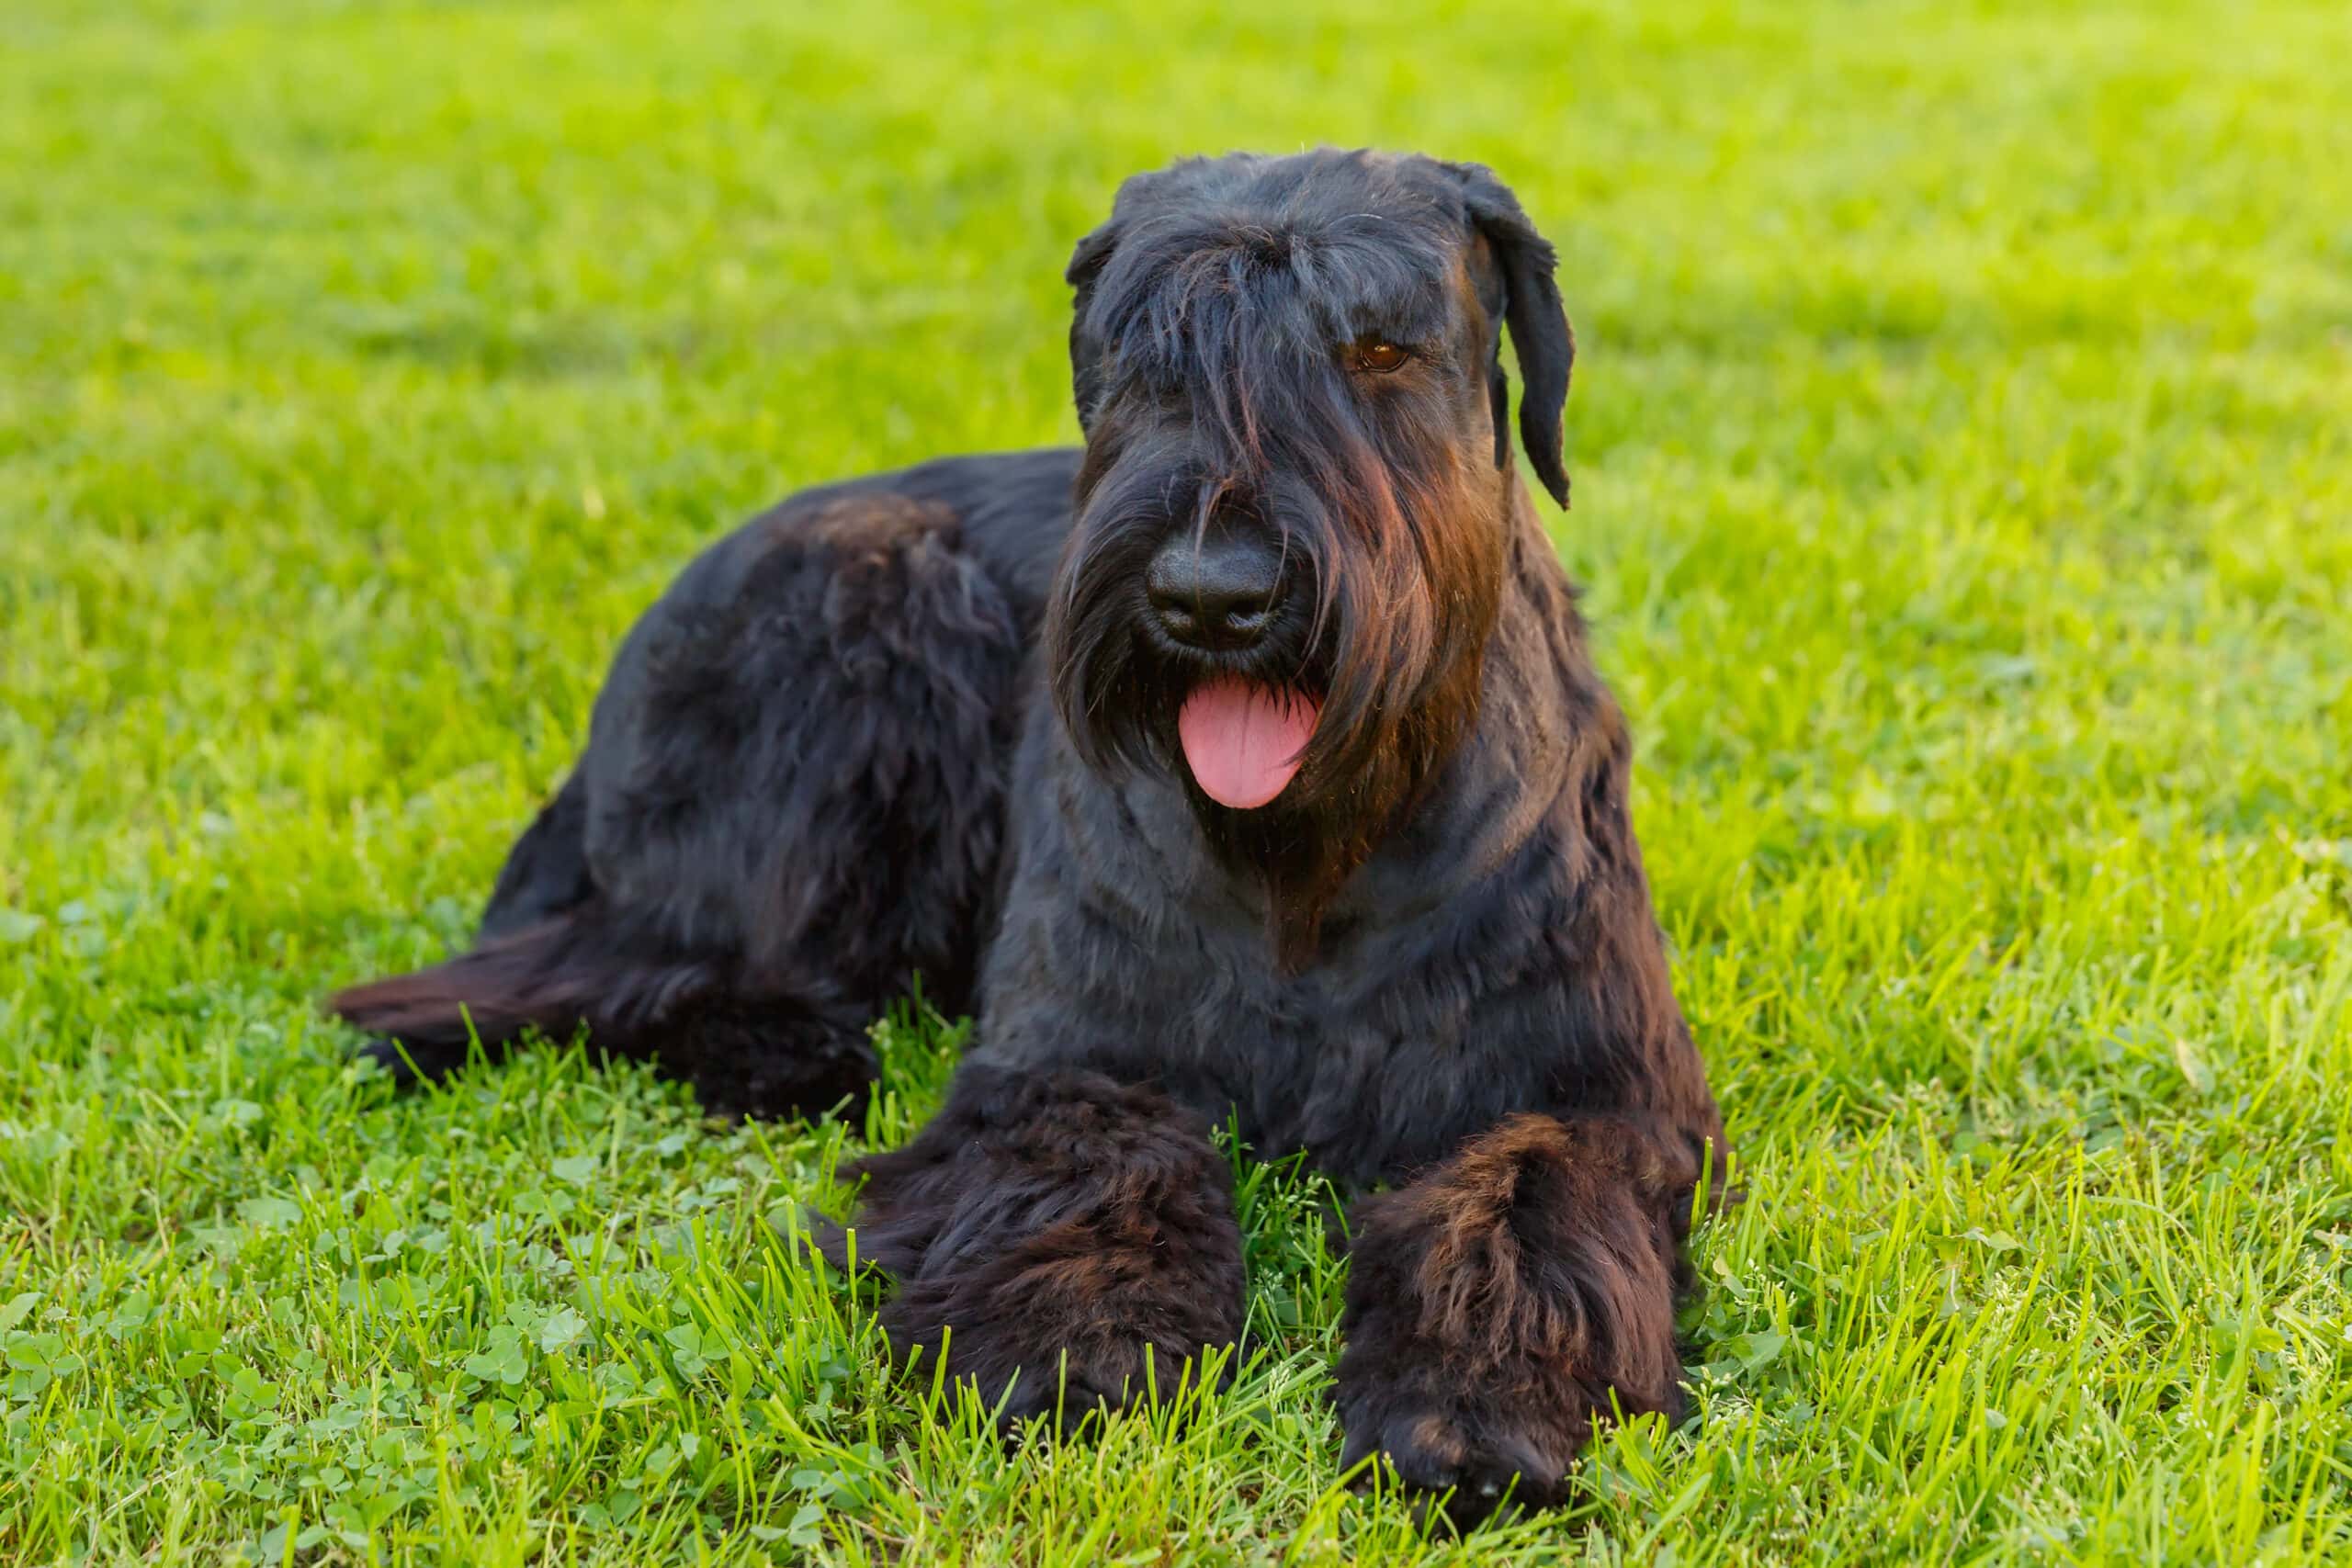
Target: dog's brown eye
<point x="1379" y="356"/>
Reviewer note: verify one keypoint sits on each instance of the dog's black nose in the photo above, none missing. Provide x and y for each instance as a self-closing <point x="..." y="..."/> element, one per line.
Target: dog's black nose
<point x="1218" y="591"/>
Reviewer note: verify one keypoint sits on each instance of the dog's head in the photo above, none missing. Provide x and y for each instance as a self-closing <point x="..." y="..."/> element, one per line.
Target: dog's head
<point x="1294" y="509"/>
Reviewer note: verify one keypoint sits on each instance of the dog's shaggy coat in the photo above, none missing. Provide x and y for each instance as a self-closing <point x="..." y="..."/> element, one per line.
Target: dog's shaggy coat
<point x="947" y="722"/>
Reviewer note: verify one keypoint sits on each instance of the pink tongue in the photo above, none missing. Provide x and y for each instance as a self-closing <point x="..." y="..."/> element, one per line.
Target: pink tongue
<point x="1242" y="740"/>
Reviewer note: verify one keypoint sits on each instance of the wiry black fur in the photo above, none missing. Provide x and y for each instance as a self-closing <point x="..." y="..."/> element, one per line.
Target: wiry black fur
<point x="705" y="888"/>
<point x="922" y="723"/>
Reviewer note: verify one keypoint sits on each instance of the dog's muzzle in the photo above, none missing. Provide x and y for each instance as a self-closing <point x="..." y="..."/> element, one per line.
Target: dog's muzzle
<point x="1221" y="592"/>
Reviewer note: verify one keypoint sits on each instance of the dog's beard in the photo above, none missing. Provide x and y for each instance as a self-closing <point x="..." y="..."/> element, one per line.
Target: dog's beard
<point x="1300" y="756"/>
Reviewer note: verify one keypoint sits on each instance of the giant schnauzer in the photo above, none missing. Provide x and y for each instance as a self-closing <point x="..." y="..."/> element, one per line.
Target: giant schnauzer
<point x="1247" y="763"/>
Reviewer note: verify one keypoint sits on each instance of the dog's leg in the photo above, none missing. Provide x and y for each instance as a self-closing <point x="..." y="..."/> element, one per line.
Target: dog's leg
<point x="1050" y="1231"/>
<point x="750" y="1049"/>
<point x="1501" y="1304"/>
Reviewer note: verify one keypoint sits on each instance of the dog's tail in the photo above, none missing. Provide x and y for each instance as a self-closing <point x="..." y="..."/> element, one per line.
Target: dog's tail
<point x="554" y="977"/>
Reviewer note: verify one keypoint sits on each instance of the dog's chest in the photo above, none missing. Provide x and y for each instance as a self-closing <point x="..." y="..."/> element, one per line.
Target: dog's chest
<point x="1125" y="948"/>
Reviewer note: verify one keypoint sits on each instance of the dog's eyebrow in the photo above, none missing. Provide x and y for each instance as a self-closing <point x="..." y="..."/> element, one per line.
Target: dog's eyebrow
<point x="1418" y="323"/>
<point x="1419" y="316"/>
<point x="1368" y="285"/>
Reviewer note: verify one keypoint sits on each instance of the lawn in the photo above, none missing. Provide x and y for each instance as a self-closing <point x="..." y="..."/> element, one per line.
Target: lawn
<point x="1964" y="453"/>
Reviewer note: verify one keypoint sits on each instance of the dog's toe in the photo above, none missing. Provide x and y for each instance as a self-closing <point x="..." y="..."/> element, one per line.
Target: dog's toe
<point x="1466" y="1468"/>
<point x="1066" y="1397"/>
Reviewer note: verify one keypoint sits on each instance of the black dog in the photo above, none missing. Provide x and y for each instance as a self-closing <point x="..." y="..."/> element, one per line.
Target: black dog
<point x="1249" y="762"/>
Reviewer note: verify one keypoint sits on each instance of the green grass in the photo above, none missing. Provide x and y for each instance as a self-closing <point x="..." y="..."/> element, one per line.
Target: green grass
<point x="1964" y="457"/>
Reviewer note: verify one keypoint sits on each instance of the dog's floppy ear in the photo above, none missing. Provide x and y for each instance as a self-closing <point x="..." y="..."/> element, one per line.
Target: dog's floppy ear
<point x="1538" y="323"/>
<point x="1085" y="350"/>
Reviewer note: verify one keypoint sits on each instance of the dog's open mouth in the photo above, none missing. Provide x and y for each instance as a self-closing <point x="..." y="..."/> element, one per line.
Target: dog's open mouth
<point x="1244" y="740"/>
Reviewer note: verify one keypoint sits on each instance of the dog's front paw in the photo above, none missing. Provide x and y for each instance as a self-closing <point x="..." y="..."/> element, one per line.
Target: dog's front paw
<point x="1061" y="1372"/>
<point x="1062" y="1243"/>
<point x="1501" y="1304"/>
<point x="1466" y="1447"/>
<point x="1076" y="1318"/>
